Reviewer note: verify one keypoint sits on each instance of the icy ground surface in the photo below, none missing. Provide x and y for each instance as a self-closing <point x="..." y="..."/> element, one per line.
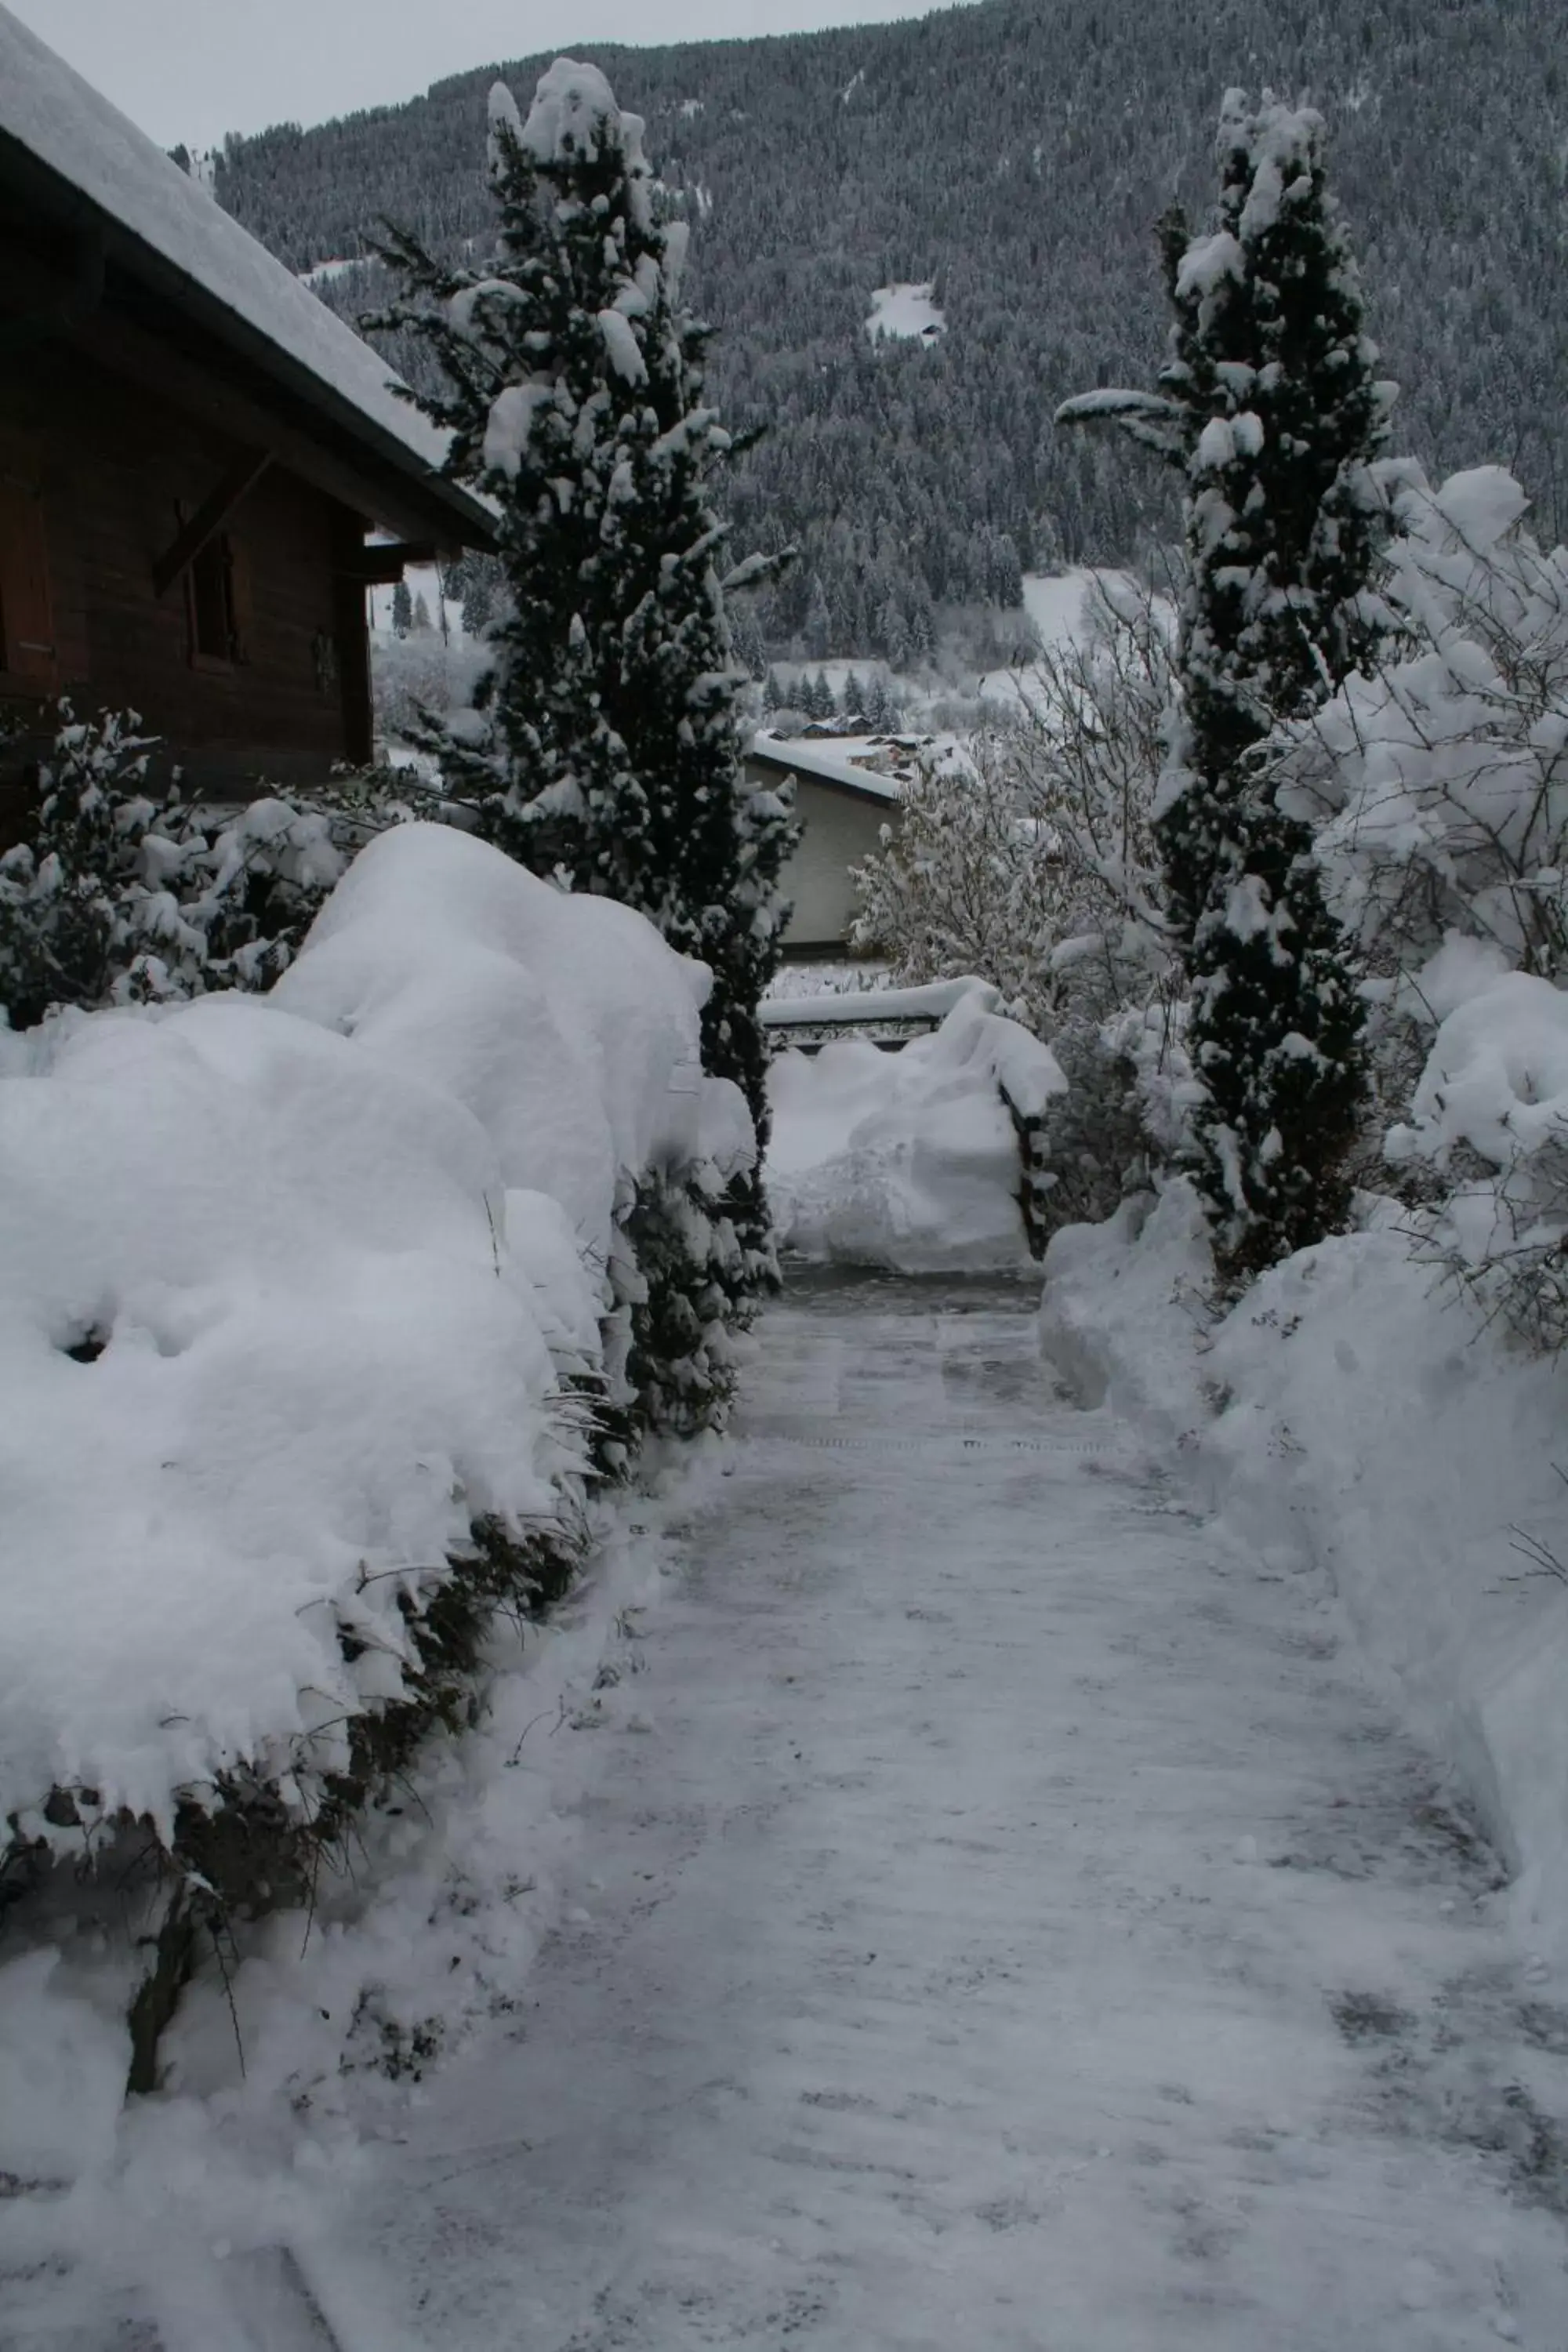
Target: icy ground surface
<point x="1001" y="1920"/>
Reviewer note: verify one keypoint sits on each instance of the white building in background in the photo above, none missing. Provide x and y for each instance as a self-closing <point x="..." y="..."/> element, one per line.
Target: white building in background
<point x="841" y="806"/>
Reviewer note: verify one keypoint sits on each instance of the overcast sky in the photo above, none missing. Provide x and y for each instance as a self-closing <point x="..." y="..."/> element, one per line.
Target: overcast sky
<point x="193" y="69"/>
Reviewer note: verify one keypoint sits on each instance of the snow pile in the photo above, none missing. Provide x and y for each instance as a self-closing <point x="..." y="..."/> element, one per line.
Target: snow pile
<point x="1352" y="1414"/>
<point x="288" y="1286"/>
<point x="906" y="313"/>
<point x="910" y="1160"/>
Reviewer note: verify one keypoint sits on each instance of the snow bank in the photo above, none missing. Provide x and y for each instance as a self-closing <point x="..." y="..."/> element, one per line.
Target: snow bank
<point x="909" y="1159"/>
<point x="1351" y="1414"/>
<point x="288" y="1285"/>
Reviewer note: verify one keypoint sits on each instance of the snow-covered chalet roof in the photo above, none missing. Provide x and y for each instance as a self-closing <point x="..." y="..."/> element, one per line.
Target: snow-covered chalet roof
<point x="162" y="228"/>
<point x="823" y="764"/>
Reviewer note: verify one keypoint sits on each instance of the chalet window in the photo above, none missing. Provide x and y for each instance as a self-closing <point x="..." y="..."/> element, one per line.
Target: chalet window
<point x="214" y="624"/>
<point x="27" y="631"/>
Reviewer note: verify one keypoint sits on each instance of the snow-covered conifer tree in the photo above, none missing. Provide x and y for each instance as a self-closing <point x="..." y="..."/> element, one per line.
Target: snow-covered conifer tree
<point x="1270" y="407"/>
<point x="479" y="597"/>
<point x="402" y="610"/>
<point x="606" y="738"/>
<point x="819" y="626"/>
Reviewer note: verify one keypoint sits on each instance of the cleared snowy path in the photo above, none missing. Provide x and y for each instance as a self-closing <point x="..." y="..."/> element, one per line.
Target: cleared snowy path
<point x="1003" y="1923"/>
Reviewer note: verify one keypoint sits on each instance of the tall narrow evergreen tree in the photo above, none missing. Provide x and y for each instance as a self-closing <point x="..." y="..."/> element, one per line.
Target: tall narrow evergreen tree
<point x="1270" y="408"/>
<point x="606" y="744"/>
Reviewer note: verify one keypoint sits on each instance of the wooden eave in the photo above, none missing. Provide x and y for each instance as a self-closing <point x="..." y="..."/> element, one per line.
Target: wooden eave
<point x="132" y="312"/>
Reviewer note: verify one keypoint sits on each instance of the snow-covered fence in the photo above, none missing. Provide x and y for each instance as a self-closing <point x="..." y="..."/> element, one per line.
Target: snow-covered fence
<point x="300" y="1299"/>
<point x="888" y="1017"/>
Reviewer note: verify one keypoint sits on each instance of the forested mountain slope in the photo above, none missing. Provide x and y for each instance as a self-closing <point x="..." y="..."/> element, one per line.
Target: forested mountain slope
<point x="1017" y="154"/>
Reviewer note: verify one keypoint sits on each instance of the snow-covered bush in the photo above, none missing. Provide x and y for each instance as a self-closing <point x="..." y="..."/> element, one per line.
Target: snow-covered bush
<point x="119" y="899"/>
<point x="305" y="1299"/>
<point x="1490" y="1115"/>
<point x="1436" y="779"/>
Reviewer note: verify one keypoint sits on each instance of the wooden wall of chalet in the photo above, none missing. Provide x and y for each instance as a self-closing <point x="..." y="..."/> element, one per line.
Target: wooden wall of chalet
<point x="114" y="469"/>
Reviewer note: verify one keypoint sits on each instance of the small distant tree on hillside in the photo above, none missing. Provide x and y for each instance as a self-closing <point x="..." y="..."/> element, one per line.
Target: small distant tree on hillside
<point x="402" y="610"/>
<point x="819" y="626"/>
<point x="1270" y="408"/>
<point x="478" y="596"/>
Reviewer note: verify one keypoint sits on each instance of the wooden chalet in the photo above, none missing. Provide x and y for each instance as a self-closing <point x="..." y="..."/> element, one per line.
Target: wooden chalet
<point x="194" y="453"/>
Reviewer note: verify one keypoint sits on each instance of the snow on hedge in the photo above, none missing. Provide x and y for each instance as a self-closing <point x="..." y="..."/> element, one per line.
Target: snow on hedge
<point x="909" y="1159"/>
<point x="1352" y="1416"/>
<point x="565" y="1025"/>
<point x="287" y="1288"/>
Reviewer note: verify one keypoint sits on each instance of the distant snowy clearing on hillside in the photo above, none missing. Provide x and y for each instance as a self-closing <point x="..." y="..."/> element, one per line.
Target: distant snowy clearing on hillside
<point x="1054" y="601"/>
<point x="323" y="273"/>
<point x="1058" y="605"/>
<point x="905" y="312"/>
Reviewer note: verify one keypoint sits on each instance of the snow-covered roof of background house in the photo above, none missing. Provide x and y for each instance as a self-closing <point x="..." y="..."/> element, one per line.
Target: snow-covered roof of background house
<point x="824" y="765"/>
<point x="170" y="230"/>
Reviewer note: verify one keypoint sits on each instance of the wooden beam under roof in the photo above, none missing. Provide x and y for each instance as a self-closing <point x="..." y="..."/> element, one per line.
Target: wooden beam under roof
<point x="209" y="519"/>
<point x="127" y="348"/>
<point x="379" y="565"/>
